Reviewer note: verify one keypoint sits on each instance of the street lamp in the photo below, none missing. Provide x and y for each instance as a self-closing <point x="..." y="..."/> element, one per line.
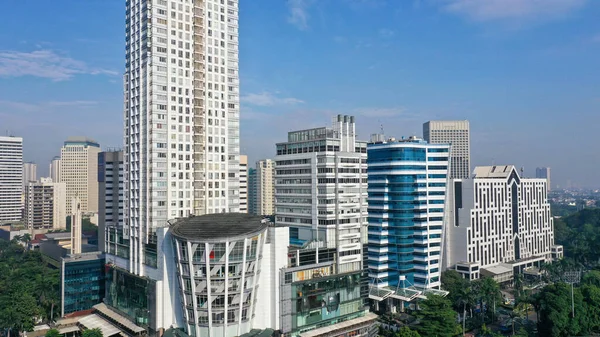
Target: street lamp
<point x="572" y="277"/>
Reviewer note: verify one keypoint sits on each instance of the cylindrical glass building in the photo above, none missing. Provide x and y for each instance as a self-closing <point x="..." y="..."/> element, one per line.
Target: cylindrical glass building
<point x="218" y="264"/>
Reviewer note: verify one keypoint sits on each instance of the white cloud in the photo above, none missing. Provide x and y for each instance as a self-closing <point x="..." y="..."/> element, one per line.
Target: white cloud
<point x="386" y="33"/>
<point x="487" y="10"/>
<point x="44" y="106"/>
<point x="45" y="64"/>
<point x="339" y="39"/>
<point x="268" y="99"/>
<point x="298" y="15"/>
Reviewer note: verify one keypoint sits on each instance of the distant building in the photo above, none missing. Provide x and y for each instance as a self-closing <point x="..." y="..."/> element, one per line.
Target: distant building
<point x="111" y="183"/>
<point x="458" y="135"/>
<point x="29" y="173"/>
<point x="11" y="178"/>
<point x="544" y="173"/>
<point x="10" y="231"/>
<point x="243" y="184"/>
<point x="54" y="169"/>
<point x="407" y="200"/>
<point x="252" y="191"/>
<point x="498" y="224"/>
<point x="79" y="172"/>
<point x="265" y="186"/>
<point x="45" y="205"/>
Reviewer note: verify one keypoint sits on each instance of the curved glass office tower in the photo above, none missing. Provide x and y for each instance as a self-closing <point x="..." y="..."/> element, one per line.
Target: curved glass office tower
<point x="407" y="195"/>
<point x="218" y="265"/>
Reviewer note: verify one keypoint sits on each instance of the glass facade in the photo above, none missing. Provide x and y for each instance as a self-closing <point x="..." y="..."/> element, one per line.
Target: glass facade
<point x="83" y="284"/>
<point x="317" y="295"/>
<point x="324" y="302"/>
<point x="130" y="295"/>
<point x="407" y="196"/>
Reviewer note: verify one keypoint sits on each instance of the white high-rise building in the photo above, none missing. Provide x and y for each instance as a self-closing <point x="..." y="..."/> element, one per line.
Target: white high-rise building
<point x="79" y="172"/>
<point x="498" y="224"/>
<point x="265" y="188"/>
<point x="11" y="178"/>
<point x="321" y="190"/>
<point x="181" y="146"/>
<point x="243" y="184"/>
<point x="457" y="134"/>
<point x="29" y="174"/>
<point x="181" y="113"/>
<point x="45" y="205"/>
<point x="55" y="169"/>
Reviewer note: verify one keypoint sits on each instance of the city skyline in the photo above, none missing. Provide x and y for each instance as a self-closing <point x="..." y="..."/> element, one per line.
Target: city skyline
<point x="398" y="68"/>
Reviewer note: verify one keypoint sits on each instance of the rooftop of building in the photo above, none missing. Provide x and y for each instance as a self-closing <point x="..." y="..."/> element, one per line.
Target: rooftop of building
<point x="380" y="139"/>
<point x="320" y="133"/>
<point x="441" y="122"/>
<point x="81" y="141"/>
<point x="11" y="139"/>
<point x="496" y="171"/>
<point x="218" y="227"/>
<point x="260" y="333"/>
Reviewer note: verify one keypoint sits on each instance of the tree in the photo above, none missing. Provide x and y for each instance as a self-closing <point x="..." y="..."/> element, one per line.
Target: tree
<point x="487" y="332"/>
<point x="28" y="287"/>
<point x="406" y="332"/>
<point x="522" y="333"/>
<point x="453" y="282"/>
<point x="437" y="317"/>
<point x="489" y="293"/>
<point x="579" y="233"/>
<point x="555" y="312"/>
<point x="92" y="333"/>
<point x="592" y="277"/>
<point x="52" y="333"/>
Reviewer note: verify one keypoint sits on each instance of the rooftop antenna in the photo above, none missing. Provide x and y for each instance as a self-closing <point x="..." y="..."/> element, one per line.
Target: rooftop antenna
<point x="522" y="170"/>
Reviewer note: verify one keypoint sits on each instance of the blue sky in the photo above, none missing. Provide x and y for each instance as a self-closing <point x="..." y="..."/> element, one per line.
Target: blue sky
<point x="526" y="73"/>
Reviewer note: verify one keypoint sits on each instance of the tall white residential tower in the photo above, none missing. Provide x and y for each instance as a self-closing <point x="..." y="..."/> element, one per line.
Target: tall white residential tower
<point x="11" y="178"/>
<point x="181" y="113"/>
<point x="181" y="145"/>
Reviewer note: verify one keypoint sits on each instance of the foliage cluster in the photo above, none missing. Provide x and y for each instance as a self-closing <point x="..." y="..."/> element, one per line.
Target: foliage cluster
<point x="29" y="289"/>
<point x="579" y="233"/>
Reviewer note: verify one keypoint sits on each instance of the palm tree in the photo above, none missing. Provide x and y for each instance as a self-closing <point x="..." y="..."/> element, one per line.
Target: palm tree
<point x="518" y="283"/>
<point x="464" y="297"/>
<point x="490" y="292"/>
